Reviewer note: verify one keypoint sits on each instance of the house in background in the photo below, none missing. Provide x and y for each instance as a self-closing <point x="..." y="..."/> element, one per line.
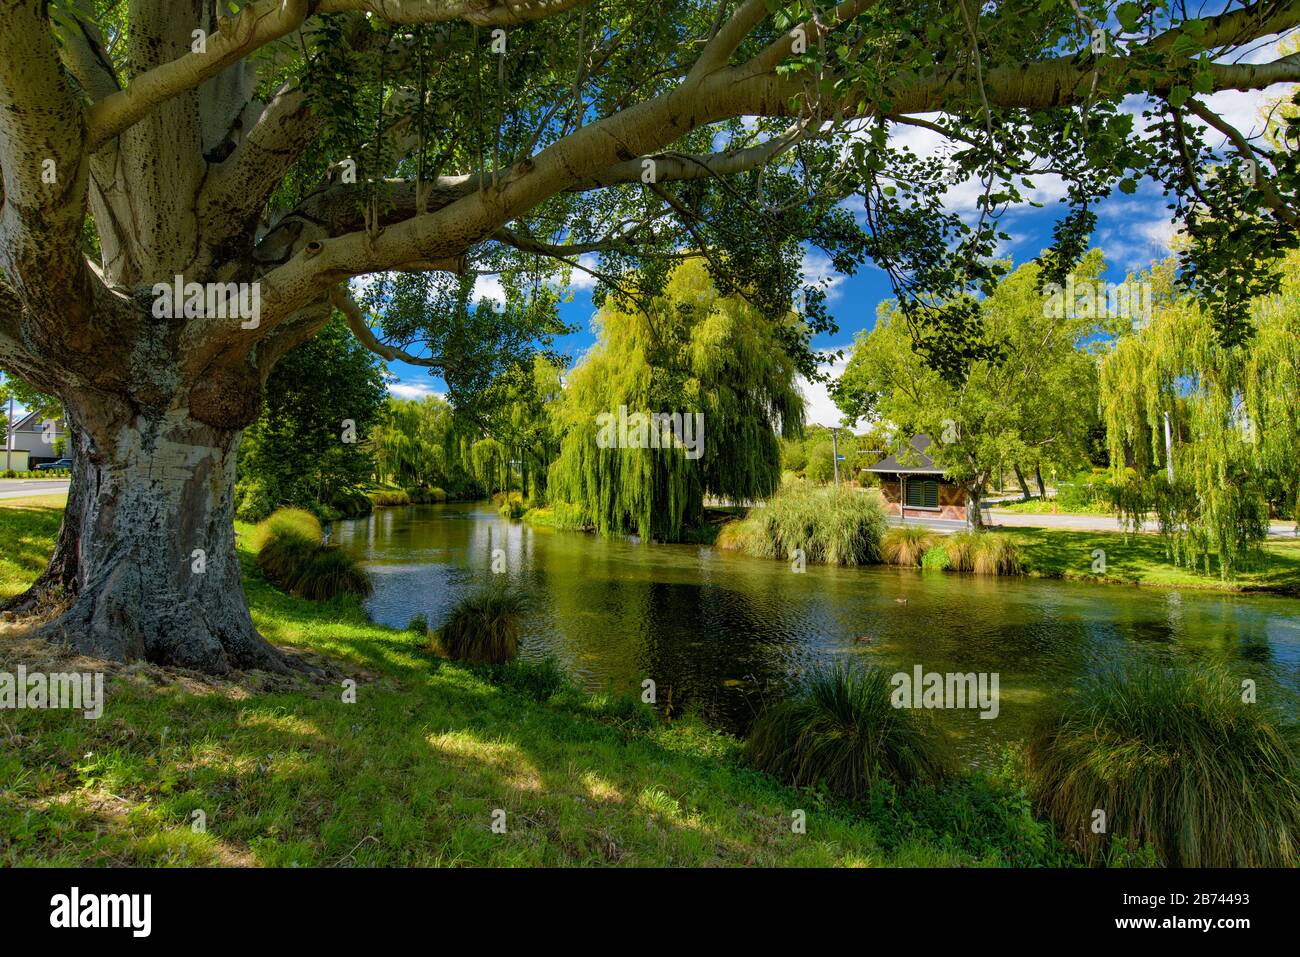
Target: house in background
<point x="33" y="436"/>
<point x="916" y="486"/>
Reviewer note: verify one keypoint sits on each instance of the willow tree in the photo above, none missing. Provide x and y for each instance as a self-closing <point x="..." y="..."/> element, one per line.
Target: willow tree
<point x="711" y="363"/>
<point x="283" y="147"/>
<point x="1203" y="435"/>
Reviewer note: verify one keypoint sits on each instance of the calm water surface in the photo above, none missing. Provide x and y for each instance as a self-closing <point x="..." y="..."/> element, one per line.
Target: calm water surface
<point x="722" y="633"/>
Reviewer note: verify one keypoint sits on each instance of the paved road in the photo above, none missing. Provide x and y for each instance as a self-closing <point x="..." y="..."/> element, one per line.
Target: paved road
<point x="1076" y="523"/>
<point x="22" y="488"/>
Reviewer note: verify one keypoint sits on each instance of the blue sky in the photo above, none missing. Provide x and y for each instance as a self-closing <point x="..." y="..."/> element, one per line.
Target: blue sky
<point x="1131" y="230"/>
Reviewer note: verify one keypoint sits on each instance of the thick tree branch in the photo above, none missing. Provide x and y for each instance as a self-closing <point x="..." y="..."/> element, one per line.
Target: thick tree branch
<point x="483" y="13"/>
<point x="356" y="320"/>
<point x="256" y="25"/>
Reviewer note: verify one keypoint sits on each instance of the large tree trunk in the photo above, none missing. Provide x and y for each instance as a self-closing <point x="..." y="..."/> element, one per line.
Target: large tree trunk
<point x="1024" y="486"/>
<point x="145" y="565"/>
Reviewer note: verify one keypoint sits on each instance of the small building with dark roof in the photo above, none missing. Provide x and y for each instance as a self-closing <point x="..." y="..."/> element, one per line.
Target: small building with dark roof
<point x="913" y="485"/>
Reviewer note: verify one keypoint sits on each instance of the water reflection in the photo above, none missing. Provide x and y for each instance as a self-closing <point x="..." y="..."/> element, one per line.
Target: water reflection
<point x="721" y="633"/>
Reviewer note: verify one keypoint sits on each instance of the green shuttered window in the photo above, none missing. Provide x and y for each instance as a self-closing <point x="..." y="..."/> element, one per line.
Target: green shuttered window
<point x="922" y="493"/>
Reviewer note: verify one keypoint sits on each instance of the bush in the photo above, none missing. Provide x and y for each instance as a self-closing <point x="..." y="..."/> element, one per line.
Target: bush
<point x="483" y="628"/>
<point x="839" y="526"/>
<point x="511" y="506"/>
<point x="9" y="474"/>
<point x="329" y="572"/>
<point x="389" y="497"/>
<point x="935" y="559"/>
<point x="844" y="734"/>
<point x="292" y="555"/>
<point x="351" y="502"/>
<point x="285" y="522"/>
<point x="1178" y="762"/>
<point x="255" y="499"/>
<point x="905" y="544"/>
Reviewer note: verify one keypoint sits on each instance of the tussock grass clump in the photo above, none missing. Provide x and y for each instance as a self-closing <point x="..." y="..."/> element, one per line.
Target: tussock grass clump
<point x="839" y="526"/>
<point x="483" y="628"/>
<point x="996" y="555"/>
<point x="984" y="553"/>
<point x="905" y="544"/>
<point x="843" y="733"/>
<point x="285" y="521"/>
<point x="390" y="497"/>
<point x="329" y="572"/>
<point x="292" y="555"/>
<point x="960" y="547"/>
<point x="1177" y="761"/>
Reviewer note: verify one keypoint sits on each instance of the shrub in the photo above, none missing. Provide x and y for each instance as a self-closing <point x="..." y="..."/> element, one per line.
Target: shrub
<point x="935" y="559"/>
<point x="839" y="526"/>
<point x="8" y="473"/>
<point x="1177" y="761"/>
<point x="351" y="502"/>
<point x="329" y="572"/>
<point x="389" y="497"/>
<point x="282" y="556"/>
<point x="905" y="544"/>
<point x="510" y="506"/>
<point x="843" y="733"/>
<point x="255" y="499"/>
<point x="483" y="628"/>
<point x="437" y="495"/>
<point x="287" y="521"/>
<point x="293" y="557"/>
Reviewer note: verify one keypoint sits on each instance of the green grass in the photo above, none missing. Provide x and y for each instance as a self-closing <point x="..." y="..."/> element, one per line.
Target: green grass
<point x="1176" y="761"/>
<point x="286" y="773"/>
<point x="1141" y="559"/>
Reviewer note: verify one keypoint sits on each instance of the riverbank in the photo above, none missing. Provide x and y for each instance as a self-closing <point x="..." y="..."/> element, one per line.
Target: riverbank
<point x="281" y="771"/>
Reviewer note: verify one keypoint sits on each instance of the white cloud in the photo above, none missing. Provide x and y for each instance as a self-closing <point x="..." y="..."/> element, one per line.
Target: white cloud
<point x="818" y="407"/>
<point x="489" y="288"/>
<point x="818" y="270"/>
<point x="412" y="390"/>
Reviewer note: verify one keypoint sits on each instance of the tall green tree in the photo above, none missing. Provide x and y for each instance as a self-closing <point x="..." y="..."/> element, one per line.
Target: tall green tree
<point x="290" y="146"/>
<point x="309" y="442"/>
<point x="690" y="351"/>
<point x="1034" y="403"/>
<point x="1204" y="435"/>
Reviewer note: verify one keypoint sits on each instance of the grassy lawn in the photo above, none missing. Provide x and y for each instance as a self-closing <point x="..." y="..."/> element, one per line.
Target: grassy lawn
<point x="1141" y="560"/>
<point x="1038" y="506"/>
<point x="286" y="773"/>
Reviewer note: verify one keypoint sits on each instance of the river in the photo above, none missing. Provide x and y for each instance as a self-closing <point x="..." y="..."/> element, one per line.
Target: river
<point x="720" y="633"/>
